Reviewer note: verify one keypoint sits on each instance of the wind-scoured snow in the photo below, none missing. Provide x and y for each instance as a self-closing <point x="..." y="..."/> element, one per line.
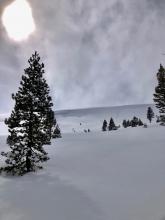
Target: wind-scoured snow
<point x="118" y="175"/>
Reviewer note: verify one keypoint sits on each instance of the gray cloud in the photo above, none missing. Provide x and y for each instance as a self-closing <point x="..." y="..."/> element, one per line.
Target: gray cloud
<point x="96" y="52"/>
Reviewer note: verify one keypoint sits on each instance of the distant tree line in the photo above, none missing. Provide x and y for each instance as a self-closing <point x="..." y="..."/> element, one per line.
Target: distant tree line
<point x="134" y="122"/>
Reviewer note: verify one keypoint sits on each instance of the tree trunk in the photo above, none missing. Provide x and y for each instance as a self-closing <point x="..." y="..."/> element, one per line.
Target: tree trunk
<point x="28" y="164"/>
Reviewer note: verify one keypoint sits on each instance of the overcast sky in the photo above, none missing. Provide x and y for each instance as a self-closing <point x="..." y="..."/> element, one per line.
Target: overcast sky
<point x="96" y="52"/>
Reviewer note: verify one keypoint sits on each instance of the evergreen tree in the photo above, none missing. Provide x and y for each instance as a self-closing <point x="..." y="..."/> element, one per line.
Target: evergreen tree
<point x="124" y="123"/>
<point x="140" y="123"/>
<point x="30" y="122"/>
<point x="150" y="114"/>
<point x="112" y="125"/>
<point x="57" y="132"/>
<point x="134" y="122"/>
<point x="128" y="123"/>
<point x="159" y="96"/>
<point x="104" y="127"/>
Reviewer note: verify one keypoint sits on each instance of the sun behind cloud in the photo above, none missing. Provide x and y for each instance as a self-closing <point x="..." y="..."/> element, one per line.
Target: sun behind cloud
<point x="18" y="20"/>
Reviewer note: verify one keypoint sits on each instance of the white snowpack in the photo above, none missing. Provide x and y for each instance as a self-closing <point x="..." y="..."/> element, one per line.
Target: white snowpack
<point x="118" y="175"/>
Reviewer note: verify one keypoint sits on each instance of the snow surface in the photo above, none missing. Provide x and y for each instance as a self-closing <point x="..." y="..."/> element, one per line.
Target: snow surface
<point x="118" y="175"/>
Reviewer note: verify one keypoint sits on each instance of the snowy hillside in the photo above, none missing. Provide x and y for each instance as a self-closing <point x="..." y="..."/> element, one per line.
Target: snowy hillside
<point x="115" y="175"/>
<point x="92" y="118"/>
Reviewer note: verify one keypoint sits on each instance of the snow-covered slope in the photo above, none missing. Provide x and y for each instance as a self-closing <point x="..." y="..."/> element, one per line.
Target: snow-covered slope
<point x="115" y="175"/>
<point x="92" y="118"/>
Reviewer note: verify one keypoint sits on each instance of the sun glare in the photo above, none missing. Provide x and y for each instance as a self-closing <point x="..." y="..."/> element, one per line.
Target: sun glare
<point x="18" y="20"/>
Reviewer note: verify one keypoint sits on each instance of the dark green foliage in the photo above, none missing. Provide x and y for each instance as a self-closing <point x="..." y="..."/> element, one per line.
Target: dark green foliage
<point x="112" y="125"/>
<point x="56" y="132"/>
<point x="30" y="122"/>
<point x="128" y="123"/>
<point x="159" y="96"/>
<point x="104" y="127"/>
<point x="157" y="119"/>
<point x="134" y="122"/>
<point x="125" y="124"/>
<point x="140" y="123"/>
<point x="150" y="114"/>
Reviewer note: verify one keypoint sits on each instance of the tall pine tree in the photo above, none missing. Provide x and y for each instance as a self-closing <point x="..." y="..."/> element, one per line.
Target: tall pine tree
<point x="159" y="95"/>
<point x="31" y="121"/>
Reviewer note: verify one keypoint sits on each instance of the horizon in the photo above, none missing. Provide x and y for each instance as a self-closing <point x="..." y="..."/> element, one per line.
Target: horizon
<point x="94" y="107"/>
